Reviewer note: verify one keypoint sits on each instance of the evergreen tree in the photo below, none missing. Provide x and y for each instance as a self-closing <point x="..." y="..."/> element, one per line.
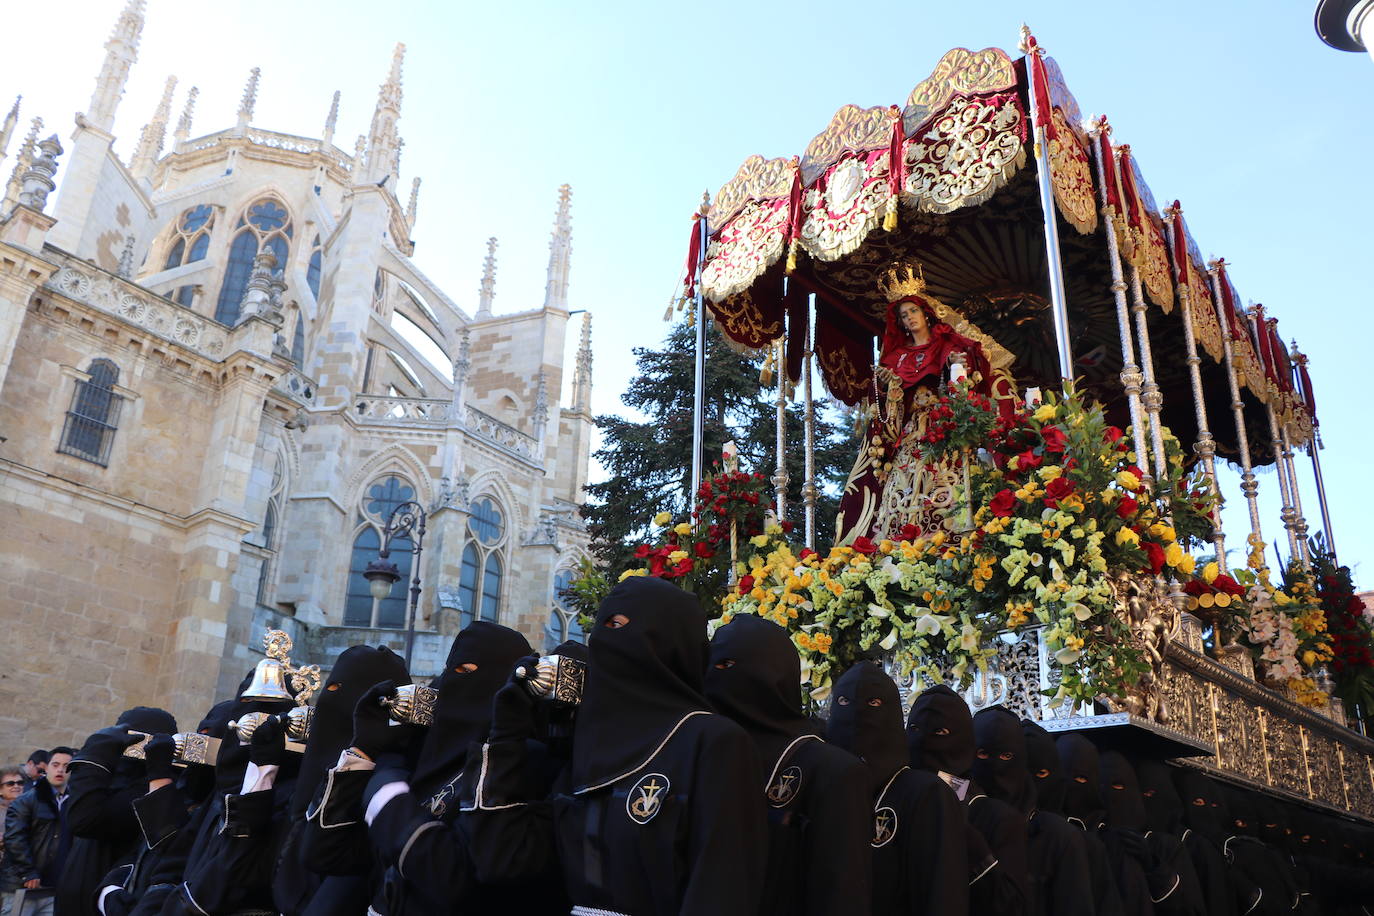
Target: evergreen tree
<point x="649" y="463"/>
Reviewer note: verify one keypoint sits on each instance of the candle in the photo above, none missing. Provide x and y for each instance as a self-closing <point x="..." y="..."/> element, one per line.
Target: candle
<point x="1032" y="397"/>
<point x="957" y="373"/>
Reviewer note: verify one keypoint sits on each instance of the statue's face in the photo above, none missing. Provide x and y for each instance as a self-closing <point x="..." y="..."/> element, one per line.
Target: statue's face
<point x="913" y="318"/>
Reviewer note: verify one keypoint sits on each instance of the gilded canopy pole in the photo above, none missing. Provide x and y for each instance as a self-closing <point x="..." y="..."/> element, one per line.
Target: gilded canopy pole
<point x="809" y="490"/>
<point x="1257" y="327"/>
<point x="780" y="477"/>
<point x="1314" y="445"/>
<point x="699" y="378"/>
<point x="1299" y="520"/>
<point x="1131" y="378"/>
<point x="1040" y="107"/>
<point x="1248" y="484"/>
<point x="1205" y="446"/>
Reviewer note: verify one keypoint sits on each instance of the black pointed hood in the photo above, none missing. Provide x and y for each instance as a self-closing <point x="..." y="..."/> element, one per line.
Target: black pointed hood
<point x="754" y="677"/>
<point x="644" y="677"/>
<point x="1121" y="793"/>
<point x="866" y="720"/>
<point x="462" y="715"/>
<point x="999" y="766"/>
<point x="1042" y="762"/>
<point x="1163" y="806"/>
<point x="357" y="669"/>
<point x="940" y="732"/>
<point x="1082" y="799"/>
<point x="1204" y="808"/>
<point x="149" y="720"/>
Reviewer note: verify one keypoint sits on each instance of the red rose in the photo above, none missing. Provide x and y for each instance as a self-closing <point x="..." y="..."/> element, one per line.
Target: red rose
<point x="656" y="566"/>
<point x="1141" y="474"/>
<point x="787" y="527"/>
<point x="864" y="545"/>
<point x="1127" y="507"/>
<point x="703" y="550"/>
<point x="1027" y="461"/>
<point x="1114" y="434"/>
<point x="1055" y="440"/>
<point x="1003" y="503"/>
<point x="1155" y="553"/>
<point x="1194" y="587"/>
<point x="642" y="551"/>
<point x="1225" y="583"/>
<point x="910" y="532"/>
<point x="807" y="552"/>
<point x="1056" y="490"/>
<point x="746" y="585"/>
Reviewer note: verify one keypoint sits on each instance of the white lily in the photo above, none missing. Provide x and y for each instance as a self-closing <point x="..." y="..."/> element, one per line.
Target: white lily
<point x="889" y="640"/>
<point x="877" y="610"/>
<point x="1066" y="656"/>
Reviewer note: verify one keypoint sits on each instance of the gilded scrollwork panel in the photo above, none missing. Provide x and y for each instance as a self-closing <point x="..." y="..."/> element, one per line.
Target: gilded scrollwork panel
<point x="744" y="249"/>
<point x="845" y="207"/>
<point x="959" y="72"/>
<point x="1323" y="768"/>
<point x="1283" y="748"/>
<point x="968" y="152"/>
<point x="1355" y="774"/>
<point x="1072" y="171"/>
<point x="851" y="130"/>
<point x="757" y="179"/>
<point x="1240" y="740"/>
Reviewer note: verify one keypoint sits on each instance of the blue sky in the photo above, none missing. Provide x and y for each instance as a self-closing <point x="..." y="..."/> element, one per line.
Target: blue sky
<point x="1236" y="108"/>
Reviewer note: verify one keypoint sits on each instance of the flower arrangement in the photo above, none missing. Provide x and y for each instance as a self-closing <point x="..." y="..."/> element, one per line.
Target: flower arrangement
<point x="1285" y="627"/>
<point x="1348" y="622"/>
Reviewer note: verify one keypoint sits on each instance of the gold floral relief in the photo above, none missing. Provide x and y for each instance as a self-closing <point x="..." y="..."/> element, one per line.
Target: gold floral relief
<point x="744" y="249"/>
<point x="1206" y="328"/>
<point x="842" y="376"/>
<point x="743" y="321"/>
<point x="852" y="129"/>
<point x="1359" y="790"/>
<point x="959" y="72"/>
<point x="1284" y="752"/>
<point x="756" y="179"/>
<point x="1240" y="741"/>
<point x="969" y="152"/>
<point x="1151" y="259"/>
<point x="860" y="193"/>
<point x="1072" y="172"/>
<point x="1323" y="768"/>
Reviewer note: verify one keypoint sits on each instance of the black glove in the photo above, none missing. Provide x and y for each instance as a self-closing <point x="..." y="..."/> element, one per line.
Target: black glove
<point x="106" y="746"/>
<point x="268" y="745"/>
<point x="157" y="757"/>
<point x="373" y="733"/>
<point x="512" y="709"/>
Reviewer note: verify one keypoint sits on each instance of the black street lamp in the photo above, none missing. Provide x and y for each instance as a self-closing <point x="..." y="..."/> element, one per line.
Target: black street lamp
<point x="406" y="519"/>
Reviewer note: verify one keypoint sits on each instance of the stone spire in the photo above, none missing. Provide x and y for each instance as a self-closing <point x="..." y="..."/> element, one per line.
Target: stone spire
<point x="37" y="179"/>
<point x="414" y="205"/>
<point x="258" y="295"/>
<point x="183" y="130"/>
<point x="154" y="132"/>
<point x="250" y="98"/>
<point x="120" y="53"/>
<point x="331" y="120"/>
<point x="22" y="160"/>
<point x="7" y="127"/>
<point x="560" y="253"/>
<point x="383" y="140"/>
<point x="487" y="291"/>
<point x="582" y="371"/>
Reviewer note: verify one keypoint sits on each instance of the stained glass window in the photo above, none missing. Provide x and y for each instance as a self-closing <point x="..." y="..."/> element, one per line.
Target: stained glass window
<point x="93" y="415"/>
<point x="236" y="274"/>
<point x="485" y="521"/>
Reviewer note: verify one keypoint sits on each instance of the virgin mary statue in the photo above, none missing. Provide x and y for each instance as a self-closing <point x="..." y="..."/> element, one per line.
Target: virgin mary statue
<point x="893" y="492"/>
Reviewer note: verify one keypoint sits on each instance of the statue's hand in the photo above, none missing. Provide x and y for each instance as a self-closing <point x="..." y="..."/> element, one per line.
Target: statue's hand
<point x="885" y="376"/>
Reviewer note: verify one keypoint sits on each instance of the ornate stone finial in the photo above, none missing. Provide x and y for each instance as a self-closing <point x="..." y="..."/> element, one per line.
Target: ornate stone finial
<point x="413" y="207"/>
<point x="154" y="132"/>
<point x="188" y="111"/>
<point x="22" y="161"/>
<point x="383" y="139"/>
<point x="7" y="127"/>
<point x="37" y="180"/>
<point x="463" y="361"/>
<point x="541" y="402"/>
<point x="560" y="253"/>
<point x="250" y="98"/>
<point x="487" y="291"/>
<point x="331" y="120"/>
<point x="582" y="371"/>
<point x="126" y="259"/>
<point x="257" y="295"/>
<point x="359" y="147"/>
<point x="121" y="50"/>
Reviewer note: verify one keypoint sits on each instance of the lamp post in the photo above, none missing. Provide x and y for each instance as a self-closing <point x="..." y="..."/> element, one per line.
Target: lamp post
<point x="381" y="574"/>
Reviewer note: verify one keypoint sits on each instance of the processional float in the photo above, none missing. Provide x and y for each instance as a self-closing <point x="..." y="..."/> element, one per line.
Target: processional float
<point x="1041" y="239"/>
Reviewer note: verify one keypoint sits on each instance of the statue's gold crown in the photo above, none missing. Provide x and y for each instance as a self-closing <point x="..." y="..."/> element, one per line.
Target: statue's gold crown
<point x="901" y="281"/>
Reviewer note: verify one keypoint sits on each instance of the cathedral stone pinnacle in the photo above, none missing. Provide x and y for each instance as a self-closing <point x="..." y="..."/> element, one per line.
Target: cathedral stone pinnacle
<point x="7" y="127"/>
<point x="121" y="51"/>
<point x="560" y="253"/>
<point x="154" y="132"/>
<point x="183" y="130"/>
<point x="250" y="98"/>
<point x="22" y="160"/>
<point x="413" y="206"/>
<point x="383" y="139"/>
<point x="487" y="291"/>
<point x="331" y="121"/>
<point x="37" y="179"/>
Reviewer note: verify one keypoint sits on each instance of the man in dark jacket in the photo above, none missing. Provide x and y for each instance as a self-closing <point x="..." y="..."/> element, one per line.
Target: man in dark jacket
<point x="37" y="835"/>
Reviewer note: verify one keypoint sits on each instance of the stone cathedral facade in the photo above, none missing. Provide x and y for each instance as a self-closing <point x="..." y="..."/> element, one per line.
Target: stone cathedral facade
<point x="221" y="369"/>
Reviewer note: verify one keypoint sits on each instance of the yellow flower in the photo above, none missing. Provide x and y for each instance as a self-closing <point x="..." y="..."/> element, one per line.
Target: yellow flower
<point x="758" y="594"/>
<point x="1072" y="503"/>
<point x="677" y="555"/>
<point x="1187" y="564"/>
<point x="683" y="528"/>
<point x="938" y="538"/>
<point x="1044" y="413"/>
<point x="1126" y="536"/>
<point x="633" y="572"/>
<point x="822" y="642"/>
<point x="663" y="518"/>
<point x="885" y="546"/>
<point x="759" y="540"/>
<point x="804" y="641"/>
<point x="1049" y="472"/>
<point x="1210" y="572"/>
<point x="1173" y="554"/>
<point x="1128" y="481"/>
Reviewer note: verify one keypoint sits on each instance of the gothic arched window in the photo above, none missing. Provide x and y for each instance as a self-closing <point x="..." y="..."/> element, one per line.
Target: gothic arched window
<point x="271" y="522"/>
<point x="93" y="415"/>
<point x="379" y="500"/>
<point x="192" y="233"/>
<point x="312" y="272"/>
<point x="563" y="624"/>
<point x="298" y="340"/>
<point x="265" y="224"/>
<point x="482" y="571"/>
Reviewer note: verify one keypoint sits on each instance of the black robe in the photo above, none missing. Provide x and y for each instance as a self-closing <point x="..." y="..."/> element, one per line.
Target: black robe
<point x="920" y="835"/>
<point x="658" y="813"/>
<point x="1169" y="877"/>
<point x="1256" y="861"/>
<point x="817" y="795"/>
<point x="1121" y="851"/>
<point x="144" y="885"/>
<point x="940" y="740"/>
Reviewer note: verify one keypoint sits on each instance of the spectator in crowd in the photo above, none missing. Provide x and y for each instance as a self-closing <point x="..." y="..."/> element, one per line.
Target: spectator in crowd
<point x="37" y="835"/>
<point x="34" y="768"/>
<point x="11" y="787"/>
